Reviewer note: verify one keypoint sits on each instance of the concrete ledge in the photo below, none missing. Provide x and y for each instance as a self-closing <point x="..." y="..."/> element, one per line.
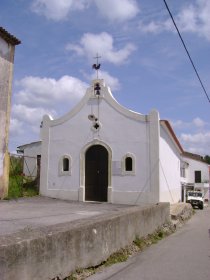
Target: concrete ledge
<point x="180" y="212"/>
<point x="58" y="250"/>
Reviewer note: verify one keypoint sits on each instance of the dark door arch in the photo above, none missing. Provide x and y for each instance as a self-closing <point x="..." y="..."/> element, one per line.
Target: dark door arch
<point x="96" y="173"/>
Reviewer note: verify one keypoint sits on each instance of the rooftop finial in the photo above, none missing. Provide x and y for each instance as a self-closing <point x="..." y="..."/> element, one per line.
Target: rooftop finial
<point x="97" y="65"/>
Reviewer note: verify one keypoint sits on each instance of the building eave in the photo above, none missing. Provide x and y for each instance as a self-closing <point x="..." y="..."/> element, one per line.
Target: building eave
<point x="194" y="156"/>
<point x="172" y="134"/>
<point x="9" y="38"/>
<point x="22" y="147"/>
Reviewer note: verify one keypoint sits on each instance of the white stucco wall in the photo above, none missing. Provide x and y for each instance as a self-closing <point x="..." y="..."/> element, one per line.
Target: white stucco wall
<point x="121" y="130"/>
<point x="115" y="129"/>
<point x="170" y="180"/>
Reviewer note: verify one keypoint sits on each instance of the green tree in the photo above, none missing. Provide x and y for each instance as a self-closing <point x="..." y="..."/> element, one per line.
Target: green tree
<point x="207" y="159"/>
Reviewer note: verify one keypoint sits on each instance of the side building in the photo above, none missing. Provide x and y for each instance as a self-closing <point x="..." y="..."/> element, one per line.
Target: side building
<point x="194" y="175"/>
<point x="31" y="155"/>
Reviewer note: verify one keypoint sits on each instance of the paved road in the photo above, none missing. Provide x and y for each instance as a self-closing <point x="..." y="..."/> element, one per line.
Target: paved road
<point x="185" y="255"/>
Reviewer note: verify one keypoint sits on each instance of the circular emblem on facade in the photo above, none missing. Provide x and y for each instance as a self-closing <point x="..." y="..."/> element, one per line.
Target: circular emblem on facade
<point x="96" y="126"/>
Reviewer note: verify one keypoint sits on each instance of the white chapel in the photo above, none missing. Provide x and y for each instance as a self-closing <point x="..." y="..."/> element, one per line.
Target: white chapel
<point x="101" y="151"/>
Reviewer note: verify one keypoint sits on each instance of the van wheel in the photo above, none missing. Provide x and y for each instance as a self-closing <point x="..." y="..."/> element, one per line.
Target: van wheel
<point x="201" y="206"/>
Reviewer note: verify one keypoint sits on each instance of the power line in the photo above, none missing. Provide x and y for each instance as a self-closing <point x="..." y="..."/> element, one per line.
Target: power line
<point x="187" y="52"/>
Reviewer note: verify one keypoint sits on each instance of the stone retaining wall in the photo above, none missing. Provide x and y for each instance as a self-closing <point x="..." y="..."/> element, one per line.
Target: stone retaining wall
<point x="58" y="250"/>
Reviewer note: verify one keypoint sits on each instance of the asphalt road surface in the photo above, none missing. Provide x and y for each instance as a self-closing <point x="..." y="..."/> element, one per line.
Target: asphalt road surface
<point x="184" y="255"/>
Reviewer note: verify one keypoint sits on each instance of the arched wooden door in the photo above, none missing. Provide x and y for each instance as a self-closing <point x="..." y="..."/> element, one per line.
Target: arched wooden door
<point x="96" y="173"/>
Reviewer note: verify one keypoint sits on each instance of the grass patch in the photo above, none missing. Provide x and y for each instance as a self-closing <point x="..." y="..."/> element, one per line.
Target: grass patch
<point x="150" y="239"/>
<point x="157" y="236"/>
<point x="140" y="243"/>
<point x="20" y="185"/>
<point x="15" y="187"/>
<point x="30" y="188"/>
<point x="118" y="257"/>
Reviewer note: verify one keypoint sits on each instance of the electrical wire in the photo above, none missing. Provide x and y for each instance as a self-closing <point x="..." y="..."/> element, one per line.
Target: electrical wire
<point x="187" y="51"/>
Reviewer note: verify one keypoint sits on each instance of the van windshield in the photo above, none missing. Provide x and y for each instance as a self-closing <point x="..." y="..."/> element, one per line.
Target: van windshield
<point x="195" y="194"/>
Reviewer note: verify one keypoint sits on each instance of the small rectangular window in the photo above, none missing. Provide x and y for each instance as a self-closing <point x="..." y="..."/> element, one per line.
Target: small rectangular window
<point x="65" y="164"/>
<point x="197" y="176"/>
<point x="128" y="164"/>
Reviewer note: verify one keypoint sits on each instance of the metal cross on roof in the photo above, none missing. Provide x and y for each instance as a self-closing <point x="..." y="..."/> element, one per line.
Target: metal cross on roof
<point x="96" y="65"/>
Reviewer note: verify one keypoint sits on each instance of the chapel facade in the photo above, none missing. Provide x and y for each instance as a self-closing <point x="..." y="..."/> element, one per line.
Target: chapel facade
<point x="101" y="151"/>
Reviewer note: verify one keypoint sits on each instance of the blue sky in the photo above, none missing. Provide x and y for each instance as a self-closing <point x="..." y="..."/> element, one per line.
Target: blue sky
<point x="143" y="61"/>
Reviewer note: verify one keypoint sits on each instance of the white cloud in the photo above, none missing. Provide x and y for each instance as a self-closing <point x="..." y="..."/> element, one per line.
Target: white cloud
<point x="29" y="114"/>
<point x="194" y="135"/>
<point x="186" y="19"/>
<point x="16" y="127"/>
<point x="155" y="26"/>
<point x="117" y="10"/>
<point x="193" y="18"/>
<point x="199" y="122"/>
<point x="28" y="119"/>
<point x="39" y="96"/>
<point x="177" y="124"/>
<point x="57" y="9"/>
<point x="38" y="91"/>
<point x="102" y="43"/>
<point x="197" y="143"/>
<point x="196" y="123"/>
<point x="196" y="138"/>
